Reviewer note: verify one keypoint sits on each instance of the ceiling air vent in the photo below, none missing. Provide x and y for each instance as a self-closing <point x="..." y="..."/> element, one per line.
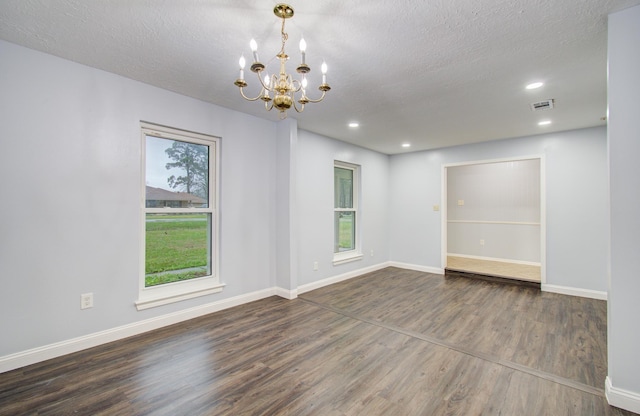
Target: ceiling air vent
<point x="542" y="105"/>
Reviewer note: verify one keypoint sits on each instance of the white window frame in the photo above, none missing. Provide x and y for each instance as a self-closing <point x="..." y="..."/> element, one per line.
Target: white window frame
<point x="355" y="254"/>
<point x="152" y="296"/>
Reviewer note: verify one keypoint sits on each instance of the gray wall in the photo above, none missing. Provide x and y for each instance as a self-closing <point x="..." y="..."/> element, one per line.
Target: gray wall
<point x="316" y="155"/>
<point x="624" y="170"/>
<point x="500" y="208"/>
<point x="576" y="202"/>
<point x="70" y="214"/>
<point x="70" y="222"/>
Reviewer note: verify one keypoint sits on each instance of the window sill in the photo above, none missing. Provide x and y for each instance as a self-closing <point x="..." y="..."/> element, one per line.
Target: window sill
<point x="166" y="294"/>
<point x="346" y="258"/>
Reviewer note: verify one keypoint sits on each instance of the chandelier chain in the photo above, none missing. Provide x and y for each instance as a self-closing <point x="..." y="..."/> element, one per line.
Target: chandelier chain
<point x="285" y="36"/>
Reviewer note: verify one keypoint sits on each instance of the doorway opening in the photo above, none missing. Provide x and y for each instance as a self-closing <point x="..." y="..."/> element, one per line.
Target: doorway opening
<point x="494" y="220"/>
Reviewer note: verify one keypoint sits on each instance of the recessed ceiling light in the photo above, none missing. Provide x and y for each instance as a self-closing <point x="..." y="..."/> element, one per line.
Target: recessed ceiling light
<point x="544" y="123"/>
<point x="534" y="85"/>
<point x="406" y="144"/>
<point x="353" y="124"/>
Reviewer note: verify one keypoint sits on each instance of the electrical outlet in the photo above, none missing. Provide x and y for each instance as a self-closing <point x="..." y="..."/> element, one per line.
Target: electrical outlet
<point x="86" y="301"/>
<point x="371" y="252"/>
<point x="481" y="242"/>
<point x="315" y="265"/>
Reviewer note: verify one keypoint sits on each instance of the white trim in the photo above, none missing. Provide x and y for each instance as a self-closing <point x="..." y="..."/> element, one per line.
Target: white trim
<point x="58" y="349"/>
<point x="543" y="205"/>
<point x="286" y="293"/>
<point x="444" y="243"/>
<point x="171" y="297"/>
<point x="341" y="277"/>
<point x="352" y="256"/>
<point x="468" y="256"/>
<point x="574" y="291"/>
<point x="621" y="398"/>
<point x="491" y="222"/>
<point x="489" y="161"/>
<point x="543" y="219"/>
<point x="418" y="268"/>
<point x="152" y="296"/>
<point x="356" y="194"/>
<point x="35" y="355"/>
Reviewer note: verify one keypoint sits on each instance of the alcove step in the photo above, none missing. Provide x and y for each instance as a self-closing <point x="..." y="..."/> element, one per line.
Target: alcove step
<point x="490" y="278"/>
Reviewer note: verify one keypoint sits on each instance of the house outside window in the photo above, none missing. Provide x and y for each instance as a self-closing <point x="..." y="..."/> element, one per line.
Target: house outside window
<point x="346" y="246"/>
<point x="179" y="216"/>
<point x="161" y="198"/>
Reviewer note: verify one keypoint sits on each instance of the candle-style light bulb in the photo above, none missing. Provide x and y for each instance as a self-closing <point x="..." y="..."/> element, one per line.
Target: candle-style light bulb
<point x="242" y="63"/>
<point x="303" y="49"/>
<point x="254" y="48"/>
<point x="324" y="68"/>
<point x="266" y="83"/>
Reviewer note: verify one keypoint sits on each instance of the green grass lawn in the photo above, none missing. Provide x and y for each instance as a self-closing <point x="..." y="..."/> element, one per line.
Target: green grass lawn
<point x="346" y="231"/>
<point x="175" y="245"/>
<point x="175" y="242"/>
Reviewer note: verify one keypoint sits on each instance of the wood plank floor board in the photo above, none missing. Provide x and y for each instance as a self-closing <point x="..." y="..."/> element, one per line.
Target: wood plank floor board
<point x="392" y="342"/>
<point x="493" y="312"/>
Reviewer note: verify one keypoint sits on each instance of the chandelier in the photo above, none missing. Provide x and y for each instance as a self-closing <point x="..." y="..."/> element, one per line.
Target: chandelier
<point x="281" y="90"/>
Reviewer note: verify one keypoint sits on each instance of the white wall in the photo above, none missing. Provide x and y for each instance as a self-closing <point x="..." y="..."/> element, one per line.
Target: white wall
<point x="70" y="211"/>
<point x="576" y="204"/>
<point x="498" y="204"/>
<point x="316" y="155"/>
<point x="623" y="382"/>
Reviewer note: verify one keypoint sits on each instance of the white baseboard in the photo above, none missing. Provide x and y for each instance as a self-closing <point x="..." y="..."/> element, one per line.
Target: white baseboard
<point x="341" y="277"/>
<point x="286" y="293"/>
<point x="58" y="349"/>
<point x="426" y="269"/>
<point x="32" y="356"/>
<point x="621" y="398"/>
<point x="465" y="256"/>
<point x="574" y="291"/>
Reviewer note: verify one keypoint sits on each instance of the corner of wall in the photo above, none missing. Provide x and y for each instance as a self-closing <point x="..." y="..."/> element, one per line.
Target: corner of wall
<point x="621" y="398"/>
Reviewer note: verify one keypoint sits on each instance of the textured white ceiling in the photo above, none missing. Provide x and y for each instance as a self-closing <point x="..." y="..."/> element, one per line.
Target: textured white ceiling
<point x="435" y="74"/>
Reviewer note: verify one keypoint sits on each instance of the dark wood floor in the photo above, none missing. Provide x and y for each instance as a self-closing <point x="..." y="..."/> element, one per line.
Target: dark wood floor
<point x="392" y="342"/>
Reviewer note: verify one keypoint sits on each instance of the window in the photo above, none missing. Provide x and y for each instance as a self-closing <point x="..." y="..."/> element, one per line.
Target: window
<point x="346" y="246"/>
<point x="179" y="216"/>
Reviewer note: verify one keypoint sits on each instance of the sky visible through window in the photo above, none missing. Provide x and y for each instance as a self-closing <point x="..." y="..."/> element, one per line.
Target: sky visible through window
<point x="157" y="173"/>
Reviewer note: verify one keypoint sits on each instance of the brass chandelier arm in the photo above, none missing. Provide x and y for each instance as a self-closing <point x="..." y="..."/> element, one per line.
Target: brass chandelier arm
<point x="295" y="105"/>
<point x="248" y="98"/>
<point x="309" y="100"/>
<point x="264" y="86"/>
<point x="297" y="86"/>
